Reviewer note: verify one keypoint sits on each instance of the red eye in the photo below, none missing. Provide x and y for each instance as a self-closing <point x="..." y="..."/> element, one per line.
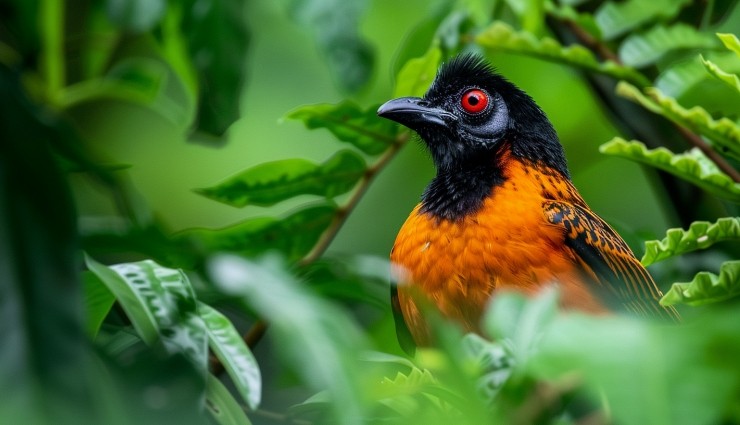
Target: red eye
<point x="474" y="101"/>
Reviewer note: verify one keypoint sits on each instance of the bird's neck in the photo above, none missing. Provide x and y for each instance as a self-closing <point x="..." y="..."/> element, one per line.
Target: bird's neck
<point x="456" y="192"/>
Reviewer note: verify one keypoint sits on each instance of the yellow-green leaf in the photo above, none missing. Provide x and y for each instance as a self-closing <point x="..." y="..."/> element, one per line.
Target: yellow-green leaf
<point x="700" y="235"/>
<point x="417" y="74"/>
<point x="723" y="132"/>
<point x="501" y="36"/>
<point x="691" y="166"/>
<point x="706" y="287"/>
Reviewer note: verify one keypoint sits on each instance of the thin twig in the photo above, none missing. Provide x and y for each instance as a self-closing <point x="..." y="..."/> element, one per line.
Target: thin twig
<point x="712" y="154"/>
<point x="592" y="43"/>
<point x="257" y="330"/>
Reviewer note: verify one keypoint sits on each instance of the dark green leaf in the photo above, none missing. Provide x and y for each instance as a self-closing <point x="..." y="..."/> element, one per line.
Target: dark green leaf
<point x="319" y="341"/>
<point x="140" y="81"/>
<point x="217" y="38"/>
<point x="44" y="365"/>
<point x="617" y="18"/>
<point x="362" y="278"/>
<point x="335" y="24"/>
<point x="234" y="354"/>
<point x="293" y="236"/>
<point x="98" y="302"/>
<point x="161" y="305"/>
<point x="222" y="406"/>
<point x="272" y="182"/>
<point x="646" y="48"/>
<point x="347" y="122"/>
<point x="706" y="287"/>
<point x="135" y="15"/>
<point x="691" y="75"/>
<point x="700" y="235"/>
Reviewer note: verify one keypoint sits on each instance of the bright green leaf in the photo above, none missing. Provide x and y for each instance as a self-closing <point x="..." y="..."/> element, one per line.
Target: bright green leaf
<point x="700" y="235"/>
<point x="691" y="75"/>
<point x="135" y="15"/>
<point x="272" y="182"/>
<point x="336" y="25"/>
<point x="347" y="122"/>
<point x="222" y="406"/>
<point x="98" y="302"/>
<point x="728" y="78"/>
<point x="233" y="353"/>
<point x="160" y="304"/>
<point x="706" y="287"/>
<point x="417" y="74"/>
<point x="617" y="18"/>
<point x="724" y="132"/>
<point x="731" y="42"/>
<point x="501" y="36"/>
<point x="319" y="341"/>
<point x="646" y="48"/>
<point x="692" y="166"/>
<point x="293" y="235"/>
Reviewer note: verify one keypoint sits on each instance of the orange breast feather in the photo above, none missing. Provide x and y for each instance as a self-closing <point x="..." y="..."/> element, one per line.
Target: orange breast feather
<point x="508" y="243"/>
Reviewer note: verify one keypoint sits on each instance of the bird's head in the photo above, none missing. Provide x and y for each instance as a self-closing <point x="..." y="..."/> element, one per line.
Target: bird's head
<point x="470" y="112"/>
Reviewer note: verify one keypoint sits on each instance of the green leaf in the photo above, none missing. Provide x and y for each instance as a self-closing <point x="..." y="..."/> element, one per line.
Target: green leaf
<point x="691" y="75"/>
<point x="730" y="41"/>
<point x="272" y="182"/>
<point x="336" y="26"/>
<point x="160" y="304"/>
<point x="724" y="132"/>
<point x="293" y="235"/>
<point x="320" y="342"/>
<point x="222" y="406"/>
<point x="140" y="81"/>
<point x="726" y="77"/>
<point x="417" y="74"/>
<point x="217" y="38"/>
<point x="646" y="373"/>
<point x="617" y="18"/>
<point x="648" y="47"/>
<point x="501" y="36"/>
<point x="362" y="129"/>
<point x="700" y="235"/>
<point x="692" y="166"/>
<point x="519" y="323"/>
<point x="706" y="287"/>
<point x="135" y="15"/>
<point x="44" y="365"/>
<point x="98" y="302"/>
<point x="233" y="353"/>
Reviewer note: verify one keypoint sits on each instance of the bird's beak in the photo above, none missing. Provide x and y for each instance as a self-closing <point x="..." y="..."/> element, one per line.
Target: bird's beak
<point x="413" y="113"/>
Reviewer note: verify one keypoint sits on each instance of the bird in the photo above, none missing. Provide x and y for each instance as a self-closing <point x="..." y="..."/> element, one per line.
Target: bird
<point x="501" y="212"/>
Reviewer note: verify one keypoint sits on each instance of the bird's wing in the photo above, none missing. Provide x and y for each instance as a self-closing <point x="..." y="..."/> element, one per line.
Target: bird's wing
<point x="405" y="340"/>
<point x="620" y="276"/>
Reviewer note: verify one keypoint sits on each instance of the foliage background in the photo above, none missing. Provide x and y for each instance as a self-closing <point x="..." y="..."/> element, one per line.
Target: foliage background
<point x="285" y="56"/>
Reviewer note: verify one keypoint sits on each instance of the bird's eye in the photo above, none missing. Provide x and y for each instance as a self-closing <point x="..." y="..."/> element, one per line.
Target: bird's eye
<point x="474" y="101"/>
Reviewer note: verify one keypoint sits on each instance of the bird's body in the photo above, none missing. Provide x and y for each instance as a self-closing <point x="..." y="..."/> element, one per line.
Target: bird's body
<point x="501" y="213"/>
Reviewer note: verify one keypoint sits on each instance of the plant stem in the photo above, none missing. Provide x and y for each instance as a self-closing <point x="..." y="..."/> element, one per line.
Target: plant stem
<point x="712" y="154"/>
<point x="51" y="25"/>
<point x="257" y="330"/>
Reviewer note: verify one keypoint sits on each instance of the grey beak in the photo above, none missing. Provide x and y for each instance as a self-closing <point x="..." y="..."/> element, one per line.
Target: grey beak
<point x="413" y="113"/>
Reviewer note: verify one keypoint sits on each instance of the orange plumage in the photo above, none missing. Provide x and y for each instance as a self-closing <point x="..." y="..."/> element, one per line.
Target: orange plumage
<point x="501" y="212"/>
